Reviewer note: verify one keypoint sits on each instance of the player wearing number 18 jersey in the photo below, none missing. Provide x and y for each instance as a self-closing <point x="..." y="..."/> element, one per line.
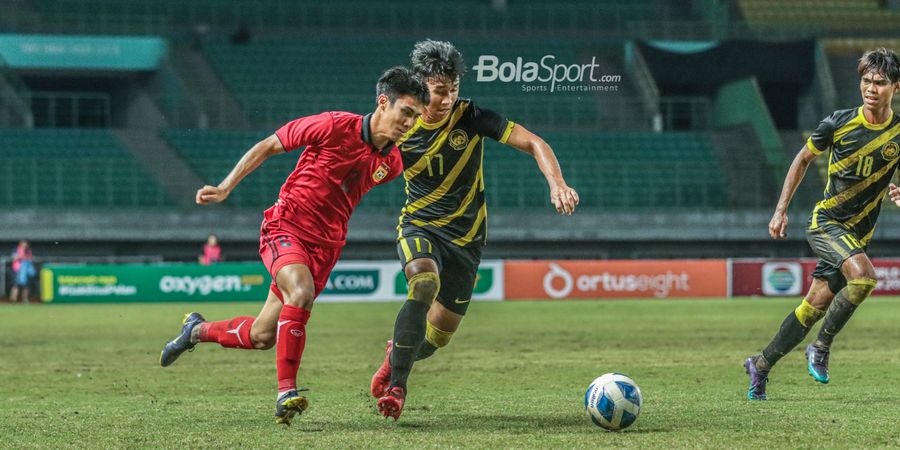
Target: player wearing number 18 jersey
<point x="864" y="150"/>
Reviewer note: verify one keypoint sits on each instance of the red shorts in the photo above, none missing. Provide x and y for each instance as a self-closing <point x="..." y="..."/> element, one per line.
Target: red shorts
<point x="278" y="248"/>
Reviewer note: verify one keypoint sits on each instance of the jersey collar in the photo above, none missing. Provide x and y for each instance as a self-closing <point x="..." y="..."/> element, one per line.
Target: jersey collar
<point x="875" y="126"/>
<point x="366" y="135"/>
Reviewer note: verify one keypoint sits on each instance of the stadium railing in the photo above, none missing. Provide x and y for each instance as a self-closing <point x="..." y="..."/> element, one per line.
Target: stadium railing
<point x="685" y="113"/>
<point x="70" y="109"/>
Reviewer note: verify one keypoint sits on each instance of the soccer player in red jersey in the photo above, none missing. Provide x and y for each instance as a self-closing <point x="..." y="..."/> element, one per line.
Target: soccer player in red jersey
<point x="302" y="234"/>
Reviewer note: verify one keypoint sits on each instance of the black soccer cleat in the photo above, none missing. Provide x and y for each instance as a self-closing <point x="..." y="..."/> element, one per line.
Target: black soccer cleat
<point x="182" y="342"/>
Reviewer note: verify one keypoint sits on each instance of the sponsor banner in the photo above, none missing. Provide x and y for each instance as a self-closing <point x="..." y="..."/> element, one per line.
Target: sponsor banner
<point x="355" y="281"/>
<point x="349" y="282"/>
<point x="592" y="279"/>
<point x="793" y="277"/>
<point x="157" y="282"/>
<point x="384" y="280"/>
<point x="782" y="278"/>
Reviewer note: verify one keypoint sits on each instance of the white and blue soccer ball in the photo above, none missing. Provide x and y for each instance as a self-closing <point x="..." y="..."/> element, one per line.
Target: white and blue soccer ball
<point x="613" y="401"/>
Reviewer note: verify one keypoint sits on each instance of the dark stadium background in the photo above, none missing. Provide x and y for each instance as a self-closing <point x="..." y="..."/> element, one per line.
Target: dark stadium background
<point x="684" y="159"/>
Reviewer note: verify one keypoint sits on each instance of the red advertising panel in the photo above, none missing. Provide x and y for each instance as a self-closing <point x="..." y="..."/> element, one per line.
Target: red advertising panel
<point x="792" y="277"/>
<point x="615" y="279"/>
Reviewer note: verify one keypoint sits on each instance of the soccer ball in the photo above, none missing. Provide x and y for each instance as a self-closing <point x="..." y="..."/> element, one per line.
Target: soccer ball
<point x="613" y="401"/>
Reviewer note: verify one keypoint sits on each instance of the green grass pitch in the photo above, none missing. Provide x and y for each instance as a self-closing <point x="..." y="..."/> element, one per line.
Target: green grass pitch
<point x="513" y="377"/>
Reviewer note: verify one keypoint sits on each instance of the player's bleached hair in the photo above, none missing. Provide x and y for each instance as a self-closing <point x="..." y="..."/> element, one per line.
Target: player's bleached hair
<point x="398" y="81"/>
<point x="882" y="61"/>
<point x="431" y="59"/>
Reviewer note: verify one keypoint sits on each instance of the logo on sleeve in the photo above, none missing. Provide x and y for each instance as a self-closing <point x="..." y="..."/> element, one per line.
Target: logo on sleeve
<point x="458" y="139"/>
<point x="890" y="150"/>
<point x="381" y="172"/>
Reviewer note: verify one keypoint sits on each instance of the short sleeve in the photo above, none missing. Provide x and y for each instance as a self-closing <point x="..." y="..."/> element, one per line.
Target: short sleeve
<point x="490" y="124"/>
<point x="309" y="130"/>
<point x="823" y="137"/>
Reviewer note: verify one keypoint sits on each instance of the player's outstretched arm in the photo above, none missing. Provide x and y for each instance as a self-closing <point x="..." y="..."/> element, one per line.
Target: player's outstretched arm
<point x="563" y="197"/>
<point x="248" y="163"/>
<point x="795" y="174"/>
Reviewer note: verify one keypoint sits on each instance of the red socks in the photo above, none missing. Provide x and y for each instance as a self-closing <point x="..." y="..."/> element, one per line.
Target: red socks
<point x="289" y="347"/>
<point x="234" y="333"/>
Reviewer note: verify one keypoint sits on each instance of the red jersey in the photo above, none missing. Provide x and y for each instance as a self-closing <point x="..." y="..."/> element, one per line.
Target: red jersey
<point x="339" y="165"/>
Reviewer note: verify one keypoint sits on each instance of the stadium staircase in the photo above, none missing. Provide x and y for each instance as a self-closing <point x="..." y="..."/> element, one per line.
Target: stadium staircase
<point x="163" y="163"/>
<point x="204" y="90"/>
<point x="846" y="81"/>
<point x="736" y="149"/>
<point x="810" y="190"/>
<point x="619" y="115"/>
<point x="15" y="109"/>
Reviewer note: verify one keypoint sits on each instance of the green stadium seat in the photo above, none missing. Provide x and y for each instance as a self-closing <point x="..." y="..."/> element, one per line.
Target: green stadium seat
<point x="616" y="170"/>
<point x="73" y="168"/>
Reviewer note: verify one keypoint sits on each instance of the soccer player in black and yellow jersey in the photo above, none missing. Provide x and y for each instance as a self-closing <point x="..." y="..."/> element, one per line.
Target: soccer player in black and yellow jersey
<point x="443" y="225"/>
<point x="864" y="149"/>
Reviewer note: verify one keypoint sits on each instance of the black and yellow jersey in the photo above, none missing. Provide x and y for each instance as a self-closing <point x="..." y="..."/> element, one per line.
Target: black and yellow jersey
<point x="442" y="165"/>
<point x="861" y="163"/>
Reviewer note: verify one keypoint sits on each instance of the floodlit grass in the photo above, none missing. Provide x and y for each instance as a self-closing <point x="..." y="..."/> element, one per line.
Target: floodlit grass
<point x="513" y="377"/>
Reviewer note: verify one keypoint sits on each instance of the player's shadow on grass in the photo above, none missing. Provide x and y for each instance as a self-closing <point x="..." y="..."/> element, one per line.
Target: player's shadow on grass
<point x="513" y="424"/>
<point x="552" y="424"/>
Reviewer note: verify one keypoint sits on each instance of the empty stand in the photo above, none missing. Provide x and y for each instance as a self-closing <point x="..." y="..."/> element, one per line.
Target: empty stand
<point x="72" y="168"/>
<point x="614" y="170"/>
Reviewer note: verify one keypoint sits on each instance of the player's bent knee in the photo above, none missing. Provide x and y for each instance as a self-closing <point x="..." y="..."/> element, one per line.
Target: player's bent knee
<point x="301" y="298"/>
<point x="808" y="314"/>
<point x="858" y="289"/>
<point x="263" y="340"/>
<point x="424" y="287"/>
<point x="437" y="337"/>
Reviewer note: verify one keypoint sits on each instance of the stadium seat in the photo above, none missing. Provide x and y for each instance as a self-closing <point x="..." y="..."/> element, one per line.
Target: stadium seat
<point x="72" y="168"/>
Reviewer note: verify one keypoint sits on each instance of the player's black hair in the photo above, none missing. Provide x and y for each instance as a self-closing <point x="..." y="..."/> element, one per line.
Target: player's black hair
<point x="398" y="81"/>
<point x="882" y="61"/>
<point x="432" y="59"/>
